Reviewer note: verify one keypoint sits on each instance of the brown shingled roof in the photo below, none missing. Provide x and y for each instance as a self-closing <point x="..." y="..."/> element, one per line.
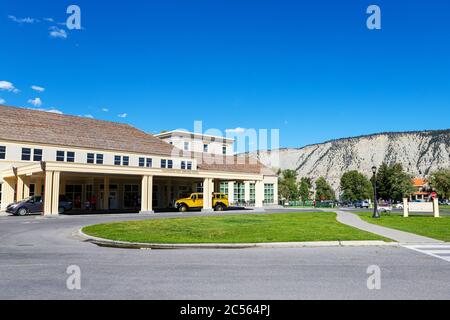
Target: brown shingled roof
<point x="27" y="125"/>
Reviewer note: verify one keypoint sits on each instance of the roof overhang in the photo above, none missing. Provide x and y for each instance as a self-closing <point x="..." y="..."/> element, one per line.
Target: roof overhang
<point x="39" y="168"/>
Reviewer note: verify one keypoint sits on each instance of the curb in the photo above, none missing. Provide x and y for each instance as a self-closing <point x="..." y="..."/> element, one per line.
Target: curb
<point x="136" y="245"/>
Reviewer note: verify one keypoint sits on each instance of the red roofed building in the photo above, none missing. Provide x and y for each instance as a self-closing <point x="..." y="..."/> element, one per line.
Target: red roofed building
<point x="422" y="190"/>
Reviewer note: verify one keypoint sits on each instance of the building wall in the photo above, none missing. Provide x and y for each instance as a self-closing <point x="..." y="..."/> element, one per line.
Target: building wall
<point x="196" y="145"/>
<point x="14" y="155"/>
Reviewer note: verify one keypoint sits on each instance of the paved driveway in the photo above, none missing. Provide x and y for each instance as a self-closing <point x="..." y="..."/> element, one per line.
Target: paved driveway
<point x="35" y="253"/>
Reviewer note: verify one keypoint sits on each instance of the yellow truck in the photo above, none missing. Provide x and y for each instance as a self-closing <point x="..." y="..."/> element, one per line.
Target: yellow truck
<point x="195" y="201"/>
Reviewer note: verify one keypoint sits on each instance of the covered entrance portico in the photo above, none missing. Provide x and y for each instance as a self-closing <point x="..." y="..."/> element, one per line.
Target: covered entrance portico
<point x="112" y="188"/>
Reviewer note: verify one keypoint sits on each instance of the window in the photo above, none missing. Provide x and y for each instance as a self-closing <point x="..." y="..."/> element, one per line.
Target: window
<point x="70" y="156"/>
<point x="93" y="158"/>
<point x="141" y="162"/>
<point x="90" y="158"/>
<point x="2" y="152"/>
<point x="239" y="192"/>
<point x="205" y="148"/>
<point x="131" y="196"/>
<point x="125" y="160"/>
<point x="26" y="154"/>
<point x="60" y="155"/>
<point x="74" y="194"/>
<point x="99" y="158"/>
<point x="170" y="164"/>
<point x="186" y="146"/>
<point x="224" y="187"/>
<point x="189" y="165"/>
<point x="155" y="196"/>
<point x="149" y="163"/>
<point x="163" y="163"/>
<point x="183" y="165"/>
<point x="117" y="160"/>
<point x="252" y="193"/>
<point x="32" y="189"/>
<point x="268" y="193"/>
<point x="37" y="155"/>
<point x="224" y="150"/>
<point x="199" y="187"/>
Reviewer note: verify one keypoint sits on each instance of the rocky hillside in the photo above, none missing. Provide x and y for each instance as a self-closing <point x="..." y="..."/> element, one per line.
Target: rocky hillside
<point x="419" y="152"/>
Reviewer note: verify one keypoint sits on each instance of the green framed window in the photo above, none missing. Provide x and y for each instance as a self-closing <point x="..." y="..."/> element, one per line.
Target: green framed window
<point x="269" y="195"/>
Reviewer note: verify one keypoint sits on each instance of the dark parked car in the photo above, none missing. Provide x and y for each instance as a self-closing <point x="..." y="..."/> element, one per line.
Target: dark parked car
<point x="35" y="204"/>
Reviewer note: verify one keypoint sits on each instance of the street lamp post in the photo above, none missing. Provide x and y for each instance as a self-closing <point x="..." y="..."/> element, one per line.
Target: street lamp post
<point x="376" y="214"/>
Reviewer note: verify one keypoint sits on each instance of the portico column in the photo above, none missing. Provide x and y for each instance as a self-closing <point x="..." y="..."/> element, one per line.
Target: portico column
<point x="247" y="191"/>
<point x="231" y="192"/>
<point x="48" y="190"/>
<point x="207" y="195"/>
<point x="147" y="195"/>
<point x="7" y="193"/>
<point x="259" y="194"/>
<point x="38" y="188"/>
<point x="275" y="193"/>
<point x="19" y="190"/>
<point x="26" y="187"/>
<point x="169" y="193"/>
<point x="55" y="193"/>
<point x="62" y="186"/>
<point x="106" y="193"/>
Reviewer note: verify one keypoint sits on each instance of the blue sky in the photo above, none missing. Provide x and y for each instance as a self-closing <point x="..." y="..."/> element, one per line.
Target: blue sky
<point x="309" y="68"/>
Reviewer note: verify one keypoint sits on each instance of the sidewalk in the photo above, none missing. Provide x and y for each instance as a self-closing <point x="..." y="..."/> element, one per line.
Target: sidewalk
<point x="355" y="221"/>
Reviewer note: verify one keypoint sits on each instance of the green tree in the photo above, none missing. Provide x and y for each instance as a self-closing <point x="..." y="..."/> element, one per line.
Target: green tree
<point x="304" y="190"/>
<point x="393" y="183"/>
<point x="356" y="186"/>
<point x="440" y="182"/>
<point x="324" y="191"/>
<point x="287" y="184"/>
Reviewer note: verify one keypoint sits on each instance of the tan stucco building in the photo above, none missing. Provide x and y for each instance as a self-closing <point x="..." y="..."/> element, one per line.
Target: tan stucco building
<point x="119" y="166"/>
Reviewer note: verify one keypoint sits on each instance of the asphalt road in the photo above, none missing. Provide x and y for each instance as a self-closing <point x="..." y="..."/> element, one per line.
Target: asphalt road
<point x="35" y="253"/>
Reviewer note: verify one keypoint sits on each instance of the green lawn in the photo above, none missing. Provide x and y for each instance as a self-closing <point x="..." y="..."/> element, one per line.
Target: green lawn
<point x="248" y="228"/>
<point x="428" y="226"/>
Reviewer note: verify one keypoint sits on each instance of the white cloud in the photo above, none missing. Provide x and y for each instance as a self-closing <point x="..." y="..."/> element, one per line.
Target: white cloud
<point x="55" y="32"/>
<point x="37" y="102"/>
<point x="89" y="116"/>
<point x="105" y="109"/>
<point x="122" y="115"/>
<point x="237" y="130"/>
<point x="8" y="86"/>
<point x="49" y="19"/>
<point x="2" y="101"/>
<point x="38" y="89"/>
<point x="22" y="20"/>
